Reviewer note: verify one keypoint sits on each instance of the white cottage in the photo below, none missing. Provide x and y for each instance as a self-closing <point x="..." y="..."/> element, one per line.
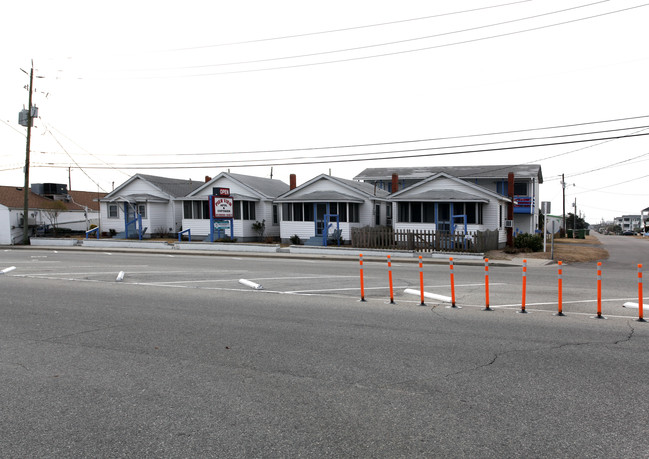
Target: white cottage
<point x="253" y="202"/>
<point x="308" y="209"/>
<point x="527" y="178"/>
<point x="443" y="202"/>
<point x="145" y="204"/>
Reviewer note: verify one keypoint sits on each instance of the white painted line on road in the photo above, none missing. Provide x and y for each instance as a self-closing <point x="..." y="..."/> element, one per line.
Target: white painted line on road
<point x="340" y="289"/>
<point x="7" y="270"/>
<point x="432" y="296"/>
<point x="552" y="303"/>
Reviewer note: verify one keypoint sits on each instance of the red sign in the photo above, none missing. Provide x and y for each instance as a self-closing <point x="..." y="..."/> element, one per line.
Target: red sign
<point x="222" y="207"/>
<point x="225" y="192"/>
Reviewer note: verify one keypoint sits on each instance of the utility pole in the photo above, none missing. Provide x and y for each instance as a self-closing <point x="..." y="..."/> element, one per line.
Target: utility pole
<point x="574" y="220"/>
<point x="563" y="186"/>
<point x="27" y="150"/>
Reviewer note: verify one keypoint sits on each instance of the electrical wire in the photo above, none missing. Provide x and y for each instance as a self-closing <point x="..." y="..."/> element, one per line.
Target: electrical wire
<point x="378" y="45"/>
<point x="448" y="147"/>
<point x="346" y="29"/>
<point x="394" y="53"/>
<point x="234" y="164"/>
<point x="77" y="164"/>
<point x="376" y="144"/>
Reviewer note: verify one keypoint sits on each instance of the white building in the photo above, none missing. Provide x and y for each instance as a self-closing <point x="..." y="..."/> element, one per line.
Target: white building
<point x="73" y="210"/>
<point x="527" y="179"/>
<point x="629" y="222"/>
<point x="442" y="202"/>
<point x="307" y="210"/>
<point x="146" y="199"/>
<point x="253" y="202"/>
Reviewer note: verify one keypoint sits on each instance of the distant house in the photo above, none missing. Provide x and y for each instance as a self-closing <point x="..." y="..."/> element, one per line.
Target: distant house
<point x="645" y="219"/>
<point x="527" y="179"/>
<point x="49" y="205"/>
<point x="629" y="222"/>
<point x="443" y="202"/>
<point x="145" y="200"/>
<point x="304" y="209"/>
<point x="253" y="201"/>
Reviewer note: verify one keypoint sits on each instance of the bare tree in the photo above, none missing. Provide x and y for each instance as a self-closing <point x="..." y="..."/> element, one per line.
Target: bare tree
<point x="53" y="212"/>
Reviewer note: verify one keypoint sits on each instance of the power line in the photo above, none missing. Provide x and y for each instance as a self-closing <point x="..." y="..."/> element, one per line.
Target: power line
<point x="77" y="164"/>
<point x="277" y="163"/>
<point x="377" y="45"/>
<point x="345" y="29"/>
<point x="376" y="144"/>
<point x="447" y="147"/>
<point x="474" y="40"/>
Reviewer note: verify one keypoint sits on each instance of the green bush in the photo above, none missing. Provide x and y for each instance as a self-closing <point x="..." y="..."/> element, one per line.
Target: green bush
<point x="529" y="242"/>
<point x="295" y="239"/>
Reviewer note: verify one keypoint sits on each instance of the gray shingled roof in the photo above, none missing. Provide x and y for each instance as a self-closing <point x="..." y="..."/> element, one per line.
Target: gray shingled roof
<point x="443" y="196"/>
<point x="175" y="187"/>
<point x="321" y="196"/>
<point x="463" y="172"/>
<point x="364" y="187"/>
<point x="268" y="187"/>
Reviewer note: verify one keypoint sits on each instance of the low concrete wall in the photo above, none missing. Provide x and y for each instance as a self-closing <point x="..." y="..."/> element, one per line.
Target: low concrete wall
<point x="354" y="252"/>
<point x="350" y="252"/>
<point x="117" y="243"/>
<point x="44" y="241"/>
<point x="227" y="247"/>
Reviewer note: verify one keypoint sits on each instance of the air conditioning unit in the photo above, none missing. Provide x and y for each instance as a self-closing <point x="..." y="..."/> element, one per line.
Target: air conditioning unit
<point x="509" y="223"/>
<point x="30" y="221"/>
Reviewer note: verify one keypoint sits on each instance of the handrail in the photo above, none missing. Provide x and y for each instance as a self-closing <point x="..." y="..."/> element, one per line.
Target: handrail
<point x="96" y="230"/>
<point x="189" y="234"/>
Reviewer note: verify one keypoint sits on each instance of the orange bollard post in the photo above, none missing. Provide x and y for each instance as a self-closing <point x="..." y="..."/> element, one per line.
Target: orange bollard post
<point x="599" y="292"/>
<point x="390" y="279"/>
<point x="486" y="284"/>
<point x="560" y="281"/>
<point x="362" y="286"/>
<point x="452" y="284"/>
<point x="421" y="280"/>
<point x="640" y="307"/>
<point x="524" y="291"/>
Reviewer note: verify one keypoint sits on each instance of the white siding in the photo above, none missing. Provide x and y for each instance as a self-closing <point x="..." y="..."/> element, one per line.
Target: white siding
<point x="5" y="226"/>
<point x="242" y="228"/>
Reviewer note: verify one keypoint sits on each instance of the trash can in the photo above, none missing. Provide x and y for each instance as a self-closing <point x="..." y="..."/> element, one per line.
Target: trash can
<point x="569" y="234"/>
<point x="580" y="234"/>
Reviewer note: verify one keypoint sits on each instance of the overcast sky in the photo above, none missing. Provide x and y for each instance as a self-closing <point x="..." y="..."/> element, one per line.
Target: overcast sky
<point x="189" y="89"/>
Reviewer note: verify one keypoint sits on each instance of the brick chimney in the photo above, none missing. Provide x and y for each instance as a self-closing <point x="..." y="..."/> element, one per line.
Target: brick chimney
<point x="395" y="183"/>
<point x="292" y="181"/>
<point x="207" y="178"/>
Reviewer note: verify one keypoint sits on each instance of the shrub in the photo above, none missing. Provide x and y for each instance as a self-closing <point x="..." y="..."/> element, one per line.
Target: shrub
<point x="259" y="228"/>
<point x="529" y="242"/>
<point x="295" y="239"/>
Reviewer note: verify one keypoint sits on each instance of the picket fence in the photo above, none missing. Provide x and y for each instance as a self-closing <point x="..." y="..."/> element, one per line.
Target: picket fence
<point x="424" y="240"/>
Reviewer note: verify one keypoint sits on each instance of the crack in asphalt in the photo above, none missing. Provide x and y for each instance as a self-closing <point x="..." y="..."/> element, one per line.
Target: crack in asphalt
<point x="628" y="338"/>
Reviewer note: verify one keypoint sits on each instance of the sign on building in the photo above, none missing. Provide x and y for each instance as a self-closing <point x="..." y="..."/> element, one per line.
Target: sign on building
<point x="222" y="207"/>
<point x="223" y="192"/>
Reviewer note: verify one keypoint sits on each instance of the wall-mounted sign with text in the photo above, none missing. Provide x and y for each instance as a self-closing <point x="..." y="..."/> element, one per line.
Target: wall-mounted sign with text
<point x="222" y="207"/>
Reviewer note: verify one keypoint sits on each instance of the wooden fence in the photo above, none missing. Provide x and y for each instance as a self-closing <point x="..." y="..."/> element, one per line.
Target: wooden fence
<point x="424" y="240"/>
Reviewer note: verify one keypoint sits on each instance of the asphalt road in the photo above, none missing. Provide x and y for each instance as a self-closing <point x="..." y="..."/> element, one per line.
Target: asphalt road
<point x="181" y="360"/>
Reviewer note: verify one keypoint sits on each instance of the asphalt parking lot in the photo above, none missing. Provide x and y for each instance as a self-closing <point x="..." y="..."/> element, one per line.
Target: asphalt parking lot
<point x="180" y="359"/>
